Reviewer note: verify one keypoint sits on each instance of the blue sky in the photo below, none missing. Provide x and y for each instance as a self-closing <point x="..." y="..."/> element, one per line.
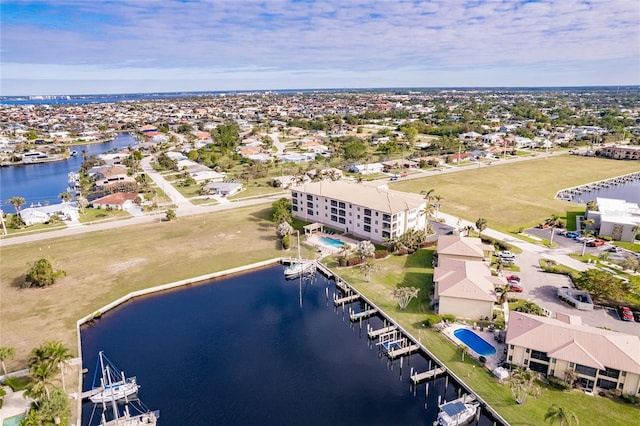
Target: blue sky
<point x="120" y="46"/>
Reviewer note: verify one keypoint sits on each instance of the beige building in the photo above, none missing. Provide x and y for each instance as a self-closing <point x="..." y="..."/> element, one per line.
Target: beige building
<point x="600" y="358"/>
<point x="364" y="211"/>
<point x="621" y="152"/>
<point x="465" y="289"/>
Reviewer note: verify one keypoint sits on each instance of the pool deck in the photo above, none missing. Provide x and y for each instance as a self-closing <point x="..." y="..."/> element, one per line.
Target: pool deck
<point x="493" y="361"/>
<point x="315" y="241"/>
<point x="14" y="404"/>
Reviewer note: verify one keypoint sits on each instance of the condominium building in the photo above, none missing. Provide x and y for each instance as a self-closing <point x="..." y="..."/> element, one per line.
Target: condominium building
<point x="364" y="211"/>
<point x="596" y="357"/>
<point x="624" y="152"/>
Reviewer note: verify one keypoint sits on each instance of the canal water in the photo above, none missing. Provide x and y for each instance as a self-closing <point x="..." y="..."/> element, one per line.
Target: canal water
<point x="628" y="191"/>
<point x="241" y="350"/>
<point x="44" y="182"/>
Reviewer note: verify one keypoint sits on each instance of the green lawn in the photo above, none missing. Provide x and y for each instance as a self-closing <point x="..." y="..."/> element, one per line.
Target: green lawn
<point x="515" y="195"/>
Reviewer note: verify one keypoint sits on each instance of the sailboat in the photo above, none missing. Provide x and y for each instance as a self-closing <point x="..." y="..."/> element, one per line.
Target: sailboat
<point x="113" y="383"/>
<point x="299" y="267"/>
<point x="117" y="396"/>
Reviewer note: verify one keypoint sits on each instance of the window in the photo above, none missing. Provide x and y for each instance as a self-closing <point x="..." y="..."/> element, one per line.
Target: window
<point x="376" y="222"/>
<point x="610" y="372"/>
<point x="334" y="218"/>
<point x="528" y="350"/>
<point x="357" y="216"/>
<point x="334" y="210"/>
<point x="367" y="212"/>
<point x="377" y="214"/>
<point x="386" y="234"/>
<point x="309" y="204"/>
<point x="510" y="346"/>
<point x="367" y="220"/>
<point x="526" y="362"/>
<point x="334" y="203"/>
<point x="342" y="205"/>
<point x="553" y="372"/>
<point x="586" y="371"/>
<point x="341" y="220"/>
<point x="510" y="357"/>
<point x="386" y="217"/>
<point x="294" y="202"/>
<point x="309" y="197"/>
<point x="341" y="213"/>
<point x="294" y="208"/>
<point x="539" y="355"/>
<point x="294" y="194"/>
<point x="310" y="212"/>
<point x="367" y="228"/>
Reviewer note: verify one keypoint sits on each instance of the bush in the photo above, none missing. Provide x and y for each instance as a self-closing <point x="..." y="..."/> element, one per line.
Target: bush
<point x="402" y="252"/>
<point x="380" y="254"/>
<point x="17" y="383"/>
<point x="630" y="399"/>
<point x="557" y="383"/>
<point x="449" y="317"/>
<point x="354" y="260"/>
<point x="286" y="242"/>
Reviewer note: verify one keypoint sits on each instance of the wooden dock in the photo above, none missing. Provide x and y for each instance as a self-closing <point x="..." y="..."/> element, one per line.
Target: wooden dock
<point x="392" y="354"/>
<point x="346" y="299"/>
<point x="362" y="315"/>
<point x="421" y="377"/>
<point x="373" y="334"/>
<point x="343" y="286"/>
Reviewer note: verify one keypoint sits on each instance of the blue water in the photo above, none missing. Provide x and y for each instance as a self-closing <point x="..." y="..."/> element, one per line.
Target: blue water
<point x="474" y="342"/>
<point x="332" y="242"/>
<point x="628" y="191"/>
<point x="13" y="421"/>
<point x="242" y="351"/>
<point x="44" y="182"/>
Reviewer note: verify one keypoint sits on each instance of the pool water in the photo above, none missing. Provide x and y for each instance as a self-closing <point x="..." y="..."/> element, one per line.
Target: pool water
<point x="475" y="342"/>
<point x="332" y="242"/>
<point x="13" y="421"/>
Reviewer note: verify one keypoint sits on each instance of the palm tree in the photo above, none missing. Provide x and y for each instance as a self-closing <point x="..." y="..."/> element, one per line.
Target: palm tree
<point x="16" y="202"/>
<point x="464" y="349"/>
<point x="41" y="375"/>
<point x="58" y="355"/>
<point x="562" y="415"/>
<point x="65" y="196"/>
<point x="6" y="352"/>
<point x="585" y="232"/>
<point x="438" y="199"/>
<point x="481" y="224"/>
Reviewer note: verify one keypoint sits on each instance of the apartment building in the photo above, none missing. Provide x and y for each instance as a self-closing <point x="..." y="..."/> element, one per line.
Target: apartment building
<point x="599" y="358"/>
<point x="364" y="211"/>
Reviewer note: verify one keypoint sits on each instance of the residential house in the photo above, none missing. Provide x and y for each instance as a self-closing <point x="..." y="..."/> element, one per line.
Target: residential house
<point x="462" y="248"/>
<point x="224" y="189"/>
<point x="117" y="201"/>
<point x="368" y="212"/>
<point x="597" y="357"/>
<point x="367" y="169"/>
<point x="42" y="214"/>
<point x="107" y="176"/>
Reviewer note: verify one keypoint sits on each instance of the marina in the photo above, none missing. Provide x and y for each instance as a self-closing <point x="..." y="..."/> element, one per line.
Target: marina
<point x="152" y="324"/>
<point x="625" y="187"/>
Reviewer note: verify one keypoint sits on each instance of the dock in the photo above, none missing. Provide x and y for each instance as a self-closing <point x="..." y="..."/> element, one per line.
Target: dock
<point x="346" y="299"/>
<point x="362" y="315"/>
<point x="88" y="394"/>
<point x="394" y="353"/>
<point x="431" y="374"/>
<point x="374" y="334"/>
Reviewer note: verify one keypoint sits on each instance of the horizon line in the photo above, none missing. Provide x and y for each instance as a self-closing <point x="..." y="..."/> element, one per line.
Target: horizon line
<point x="334" y="89"/>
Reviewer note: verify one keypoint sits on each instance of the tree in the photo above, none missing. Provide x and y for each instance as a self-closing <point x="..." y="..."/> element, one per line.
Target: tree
<point x="585" y="232"/>
<point x="528" y="307"/>
<point x="556" y="413"/>
<point x="284" y="230"/>
<point x="42" y="274"/>
<point x="281" y="210"/>
<point x="554" y="221"/>
<point x="404" y="295"/>
<point x="601" y="284"/>
<point x="170" y="215"/>
<point x="523" y="385"/>
<point x="592" y="206"/>
<point x="481" y="225"/>
<point x="6" y="352"/>
<point x="630" y="262"/>
<point x="368" y="267"/>
<point x="464" y="349"/>
<point x="58" y="355"/>
<point x="438" y="199"/>
<point x="365" y="249"/>
<point x="16" y="202"/>
<point x="65" y="196"/>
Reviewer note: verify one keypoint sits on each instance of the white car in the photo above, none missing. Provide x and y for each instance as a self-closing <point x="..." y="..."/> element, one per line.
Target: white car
<point x="506" y="254"/>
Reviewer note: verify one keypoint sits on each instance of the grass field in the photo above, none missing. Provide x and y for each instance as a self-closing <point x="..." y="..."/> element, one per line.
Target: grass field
<point x="515" y="195"/>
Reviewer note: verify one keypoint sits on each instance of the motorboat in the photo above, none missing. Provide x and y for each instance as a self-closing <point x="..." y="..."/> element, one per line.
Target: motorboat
<point x="457" y="413"/>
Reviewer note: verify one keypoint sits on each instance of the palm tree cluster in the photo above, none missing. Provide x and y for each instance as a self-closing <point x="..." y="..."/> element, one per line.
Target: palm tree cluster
<point x="408" y="242"/>
<point x="51" y="403"/>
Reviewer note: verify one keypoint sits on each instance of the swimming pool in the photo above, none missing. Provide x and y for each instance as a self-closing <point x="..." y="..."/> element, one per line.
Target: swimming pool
<point x="474" y="342"/>
<point x="332" y="242"/>
<point x="13" y="421"/>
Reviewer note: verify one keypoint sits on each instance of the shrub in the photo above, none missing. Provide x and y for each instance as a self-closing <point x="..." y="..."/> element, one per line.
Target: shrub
<point x="558" y="383"/>
<point x="449" y="317"/>
<point x="379" y="254"/>
<point x="286" y="242"/>
<point x="402" y="252"/>
<point x="17" y="383"/>
<point x="630" y="399"/>
<point x="354" y="260"/>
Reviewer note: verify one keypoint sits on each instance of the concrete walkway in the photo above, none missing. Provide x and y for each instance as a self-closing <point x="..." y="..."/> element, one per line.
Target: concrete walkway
<point x="14" y="404"/>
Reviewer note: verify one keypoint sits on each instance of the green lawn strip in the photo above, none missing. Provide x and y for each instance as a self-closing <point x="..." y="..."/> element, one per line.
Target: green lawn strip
<point x="631" y="246"/>
<point x="102" y="215"/>
<point x="415" y="270"/>
<point x="515" y="195"/>
<point x="256" y="191"/>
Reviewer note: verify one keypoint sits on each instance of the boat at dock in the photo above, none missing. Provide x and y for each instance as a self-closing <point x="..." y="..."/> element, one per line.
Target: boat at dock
<point x="113" y="383"/>
<point x="117" y="396"/>
<point x="458" y="412"/>
<point x="299" y="267"/>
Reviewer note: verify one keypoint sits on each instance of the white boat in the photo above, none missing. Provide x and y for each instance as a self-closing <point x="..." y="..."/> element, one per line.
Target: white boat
<point x="113" y="386"/>
<point x="299" y="267"/>
<point x="457" y="413"/>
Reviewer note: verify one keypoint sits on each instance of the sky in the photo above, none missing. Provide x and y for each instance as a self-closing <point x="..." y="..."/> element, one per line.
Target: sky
<point x="68" y="47"/>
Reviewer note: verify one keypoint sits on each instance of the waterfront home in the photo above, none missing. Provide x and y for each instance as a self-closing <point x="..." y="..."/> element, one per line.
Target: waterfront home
<point x="107" y="176"/>
<point x="464" y="288"/>
<point x="42" y="214"/>
<point x="224" y="189"/>
<point x="616" y="218"/>
<point x="596" y="357"/>
<point x="368" y="212"/>
<point x="117" y="201"/>
<point x="367" y="169"/>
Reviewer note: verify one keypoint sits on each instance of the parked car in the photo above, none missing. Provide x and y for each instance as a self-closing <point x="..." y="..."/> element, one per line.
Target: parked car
<point x="543" y="226"/>
<point x="637" y="316"/>
<point x="595" y="243"/>
<point x="513" y="278"/>
<point x="613" y="249"/>
<point x="505" y="253"/>
<point x="516" y="288"/>
<point x="572" y="235"/>
<point x="393" y="178"/>
<point x="626" y="314"/>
